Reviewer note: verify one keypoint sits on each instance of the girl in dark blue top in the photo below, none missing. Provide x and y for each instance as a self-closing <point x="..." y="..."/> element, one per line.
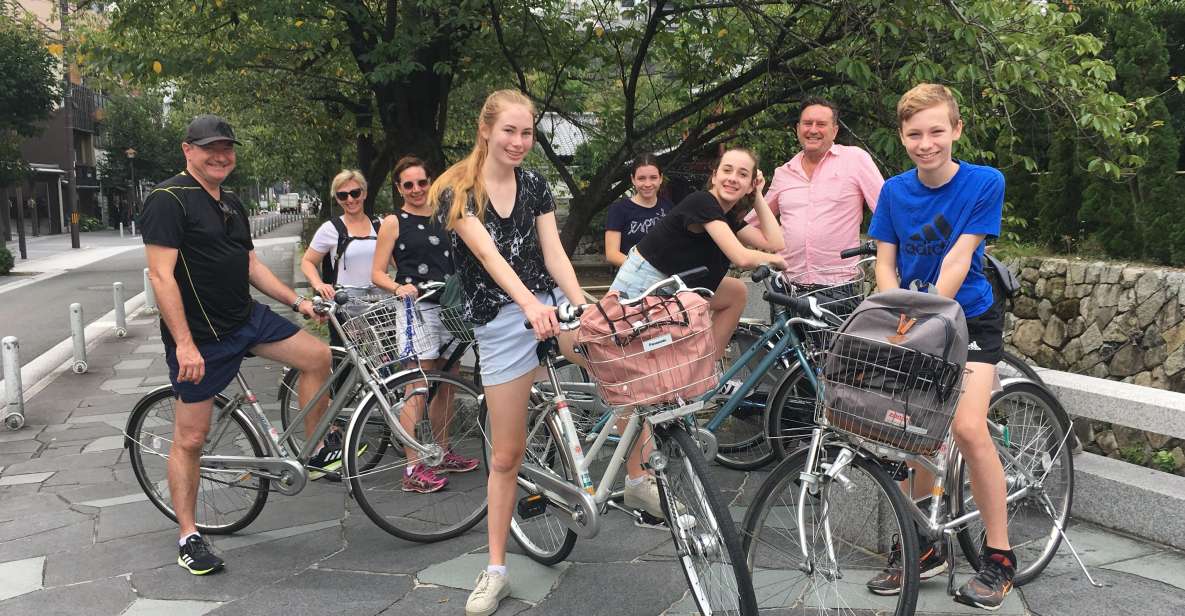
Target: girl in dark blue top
<point x="630" y="218"/>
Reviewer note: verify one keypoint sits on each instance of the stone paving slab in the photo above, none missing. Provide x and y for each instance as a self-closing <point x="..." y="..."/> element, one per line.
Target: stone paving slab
<point x="314" y="593"/>
<point x="12" y="479"/>
<point x="111" y="596"/>
<point x="1167" y="567"/>
<point x="156" y="607"/>
<point x="20" y="576"/>
<point x="532" y="581"/>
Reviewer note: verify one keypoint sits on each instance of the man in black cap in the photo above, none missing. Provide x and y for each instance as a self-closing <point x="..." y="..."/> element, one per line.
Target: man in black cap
<point x="202" y="263"/>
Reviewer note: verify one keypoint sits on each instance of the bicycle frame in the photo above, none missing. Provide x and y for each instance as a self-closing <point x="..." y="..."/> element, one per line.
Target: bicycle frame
<point x="285" y="467"/>
<point x="589" y="499"/>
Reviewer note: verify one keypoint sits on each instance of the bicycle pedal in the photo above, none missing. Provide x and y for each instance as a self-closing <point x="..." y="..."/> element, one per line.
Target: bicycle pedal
<point x="531" y="505"/>
<point x="643" y="519"/>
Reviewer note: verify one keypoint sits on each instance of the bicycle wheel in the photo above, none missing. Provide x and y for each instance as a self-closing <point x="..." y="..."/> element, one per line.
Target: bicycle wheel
<point x="227" y="501"/>
<point x="855" y="528"/>
<point x="542" y="537"/>
<point x="378" y="485"/>
<point x="740" y="439"/>
<point x="706" y="541"/>
<point x="790" y="416"/>
<point x="1034" y="435"/>
<point x="1011" y="366"/>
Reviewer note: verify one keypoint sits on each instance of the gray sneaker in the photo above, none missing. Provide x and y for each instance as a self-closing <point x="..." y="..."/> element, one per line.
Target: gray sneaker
<point x="491" y="589"/>
<point x="644" y="496"/>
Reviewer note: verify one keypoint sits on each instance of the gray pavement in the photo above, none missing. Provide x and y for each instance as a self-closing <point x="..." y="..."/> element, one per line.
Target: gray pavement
<point x="77" y="535"/>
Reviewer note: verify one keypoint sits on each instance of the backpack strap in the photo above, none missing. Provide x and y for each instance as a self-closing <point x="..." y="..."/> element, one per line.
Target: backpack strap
<point x="343" y="240"/>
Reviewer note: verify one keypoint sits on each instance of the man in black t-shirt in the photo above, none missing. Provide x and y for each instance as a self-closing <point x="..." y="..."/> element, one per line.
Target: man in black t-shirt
<point x="202" y="263"/>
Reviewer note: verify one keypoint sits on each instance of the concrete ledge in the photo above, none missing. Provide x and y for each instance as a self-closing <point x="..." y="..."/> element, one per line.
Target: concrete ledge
<point x="1134" y="406"/>
<point x="1141" y="501"/>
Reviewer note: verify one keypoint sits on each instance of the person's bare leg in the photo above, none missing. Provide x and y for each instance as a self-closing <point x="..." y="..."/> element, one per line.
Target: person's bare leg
<point x="727" y="306"/>
<point x="312" y="357"/>
<point x="191" y="424"/>
<point x="507" y="404"/>
<point x="975" y="443"/>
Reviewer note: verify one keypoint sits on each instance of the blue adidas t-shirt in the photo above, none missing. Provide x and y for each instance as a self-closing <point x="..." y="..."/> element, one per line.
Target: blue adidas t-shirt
<point x="925" y="222"/>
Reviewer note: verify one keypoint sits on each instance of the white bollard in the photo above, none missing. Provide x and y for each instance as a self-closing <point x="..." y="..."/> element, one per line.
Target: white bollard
<point x="14" y="414"/>
<point x="149" y="295"/>
<point x="121" y="230"/>
<point x="133" y="227"/>
<point x="79" y="335"/>
<point x="121" y="319"/>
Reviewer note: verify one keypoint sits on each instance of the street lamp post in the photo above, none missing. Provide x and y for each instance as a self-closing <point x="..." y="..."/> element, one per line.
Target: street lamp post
<point x="132" y="196"/>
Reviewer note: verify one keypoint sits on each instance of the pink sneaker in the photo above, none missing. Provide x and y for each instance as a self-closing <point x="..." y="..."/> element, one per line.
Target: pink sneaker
<point x="423" y="480"/>
<point x="455" y="463"/>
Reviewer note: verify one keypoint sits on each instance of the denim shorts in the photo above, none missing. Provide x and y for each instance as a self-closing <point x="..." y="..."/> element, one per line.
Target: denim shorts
<point x="505" y="347"/>
<point x="635" y="276"/>
<point x="223" y="357"/>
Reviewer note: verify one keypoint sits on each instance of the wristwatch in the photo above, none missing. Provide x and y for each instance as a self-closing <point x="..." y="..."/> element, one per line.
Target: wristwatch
<point x="300" y="299"/>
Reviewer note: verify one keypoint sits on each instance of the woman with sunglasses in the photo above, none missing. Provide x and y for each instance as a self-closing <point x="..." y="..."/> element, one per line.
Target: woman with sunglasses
<point x="351" y="268"/>
<point x="416" y="244"/>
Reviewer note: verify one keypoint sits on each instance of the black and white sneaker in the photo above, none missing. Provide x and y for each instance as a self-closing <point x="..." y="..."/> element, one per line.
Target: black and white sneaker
<point x="197" y="557"/>
<point x="328" y="459"/>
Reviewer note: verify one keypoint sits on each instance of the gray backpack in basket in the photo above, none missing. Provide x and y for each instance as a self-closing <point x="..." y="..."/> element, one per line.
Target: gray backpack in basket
<point x="894" y="369"/>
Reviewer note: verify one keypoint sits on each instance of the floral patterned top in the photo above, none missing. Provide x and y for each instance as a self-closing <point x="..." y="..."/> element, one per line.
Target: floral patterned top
<point x="517" y="239"/>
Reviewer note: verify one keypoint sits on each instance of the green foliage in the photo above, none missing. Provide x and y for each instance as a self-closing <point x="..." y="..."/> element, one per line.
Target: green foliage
<point x="1135" y="454"/>
<point x="1164" y="461"/>
<point x="28" y="89"/>
<point x="6" y="260"/>
<point x="1059" y="191"/>
<point x="90" y="223"/>
<point x="139" y="122"/>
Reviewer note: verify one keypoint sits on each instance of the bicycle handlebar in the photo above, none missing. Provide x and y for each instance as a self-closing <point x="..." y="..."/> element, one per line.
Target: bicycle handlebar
<point x="867" y="249"/>
<point x="565" y="313"/>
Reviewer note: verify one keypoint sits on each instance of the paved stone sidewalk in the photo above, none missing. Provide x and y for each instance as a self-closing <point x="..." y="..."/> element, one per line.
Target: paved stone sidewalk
<point x="77" y="535"/>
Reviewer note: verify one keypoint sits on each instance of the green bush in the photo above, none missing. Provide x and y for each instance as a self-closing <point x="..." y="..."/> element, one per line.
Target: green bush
<point x="6" y="261"/>
<point x="1134" y="454"/>
<point x="89" y="223"/>
<point x="1164" y="461"/>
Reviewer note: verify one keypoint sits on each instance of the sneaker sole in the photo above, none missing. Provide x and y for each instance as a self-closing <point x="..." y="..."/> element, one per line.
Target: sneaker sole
<point x="490" y="611"/>
<point x="926" y="575"/>
<point x="973" y="603"/>
<point x="420" y="491"/>
<point x="214" y="569"/>
<point x="440" y="471"/>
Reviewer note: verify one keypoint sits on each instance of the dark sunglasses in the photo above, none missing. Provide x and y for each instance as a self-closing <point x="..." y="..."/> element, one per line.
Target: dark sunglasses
<point x="353" y="194"/>
<point x="409" y="184"/>
<point x="227" y="212"/>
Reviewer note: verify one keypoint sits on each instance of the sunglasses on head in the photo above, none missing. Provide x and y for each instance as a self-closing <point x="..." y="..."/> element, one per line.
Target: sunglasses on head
<point x="422" y="183"/>
<point x="352" y="194"/>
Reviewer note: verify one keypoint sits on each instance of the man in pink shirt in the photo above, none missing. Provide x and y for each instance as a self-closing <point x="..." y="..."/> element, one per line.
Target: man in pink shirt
<point x="819" y="197"/>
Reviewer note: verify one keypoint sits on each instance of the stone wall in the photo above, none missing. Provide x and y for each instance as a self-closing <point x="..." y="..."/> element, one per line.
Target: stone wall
<point x="1107" y="320"/>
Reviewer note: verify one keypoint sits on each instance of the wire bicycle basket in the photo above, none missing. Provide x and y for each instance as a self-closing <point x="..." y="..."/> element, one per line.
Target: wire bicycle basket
<point x="388" y="332"/>
<point x="889" y="394"/>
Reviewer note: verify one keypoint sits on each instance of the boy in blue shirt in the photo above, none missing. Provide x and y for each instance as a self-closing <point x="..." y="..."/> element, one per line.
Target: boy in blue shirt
<point x="930" y="224"/>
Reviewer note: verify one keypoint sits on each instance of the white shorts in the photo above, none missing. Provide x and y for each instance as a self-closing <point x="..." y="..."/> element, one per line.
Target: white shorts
<point x="505" y="347"/>
<point x="435" y="336"/>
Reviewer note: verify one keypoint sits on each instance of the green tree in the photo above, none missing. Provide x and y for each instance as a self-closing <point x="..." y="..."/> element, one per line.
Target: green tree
<point x="681" y="76"/>
<point x="1059" y="191"/>
<point x="28" y="90"/>
<point x="138" y="121"/>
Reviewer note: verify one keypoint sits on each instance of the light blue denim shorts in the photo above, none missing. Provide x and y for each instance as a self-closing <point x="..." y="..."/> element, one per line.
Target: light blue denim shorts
<point x="505" y="346"/>
<point x="635" y="276"/>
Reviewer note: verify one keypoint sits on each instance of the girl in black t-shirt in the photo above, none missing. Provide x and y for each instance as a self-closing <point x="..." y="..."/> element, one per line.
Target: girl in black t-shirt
<point x="417" y="245"/>
<point x="507" y="251"/>
<point x="707" y="228"/>
<point x="631" y="218"/>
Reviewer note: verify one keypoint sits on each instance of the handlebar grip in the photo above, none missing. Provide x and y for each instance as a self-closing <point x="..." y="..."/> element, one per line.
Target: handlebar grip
<point x="799" y="305"/>
<point x="761" y="273"/>
<point x="341" y="298"/>
<point x="564" y="313"/>
<point x="867" y="249"/>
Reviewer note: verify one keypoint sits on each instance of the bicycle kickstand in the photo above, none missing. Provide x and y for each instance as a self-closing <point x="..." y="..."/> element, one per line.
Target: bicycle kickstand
<point x="1061" y="531"/>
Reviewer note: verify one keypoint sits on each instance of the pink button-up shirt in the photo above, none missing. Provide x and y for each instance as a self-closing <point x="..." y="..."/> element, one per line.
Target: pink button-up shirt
<point x="821" y="215"/>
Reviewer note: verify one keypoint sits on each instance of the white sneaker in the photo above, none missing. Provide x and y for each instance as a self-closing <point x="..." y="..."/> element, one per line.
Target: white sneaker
<point x="644" y="496"/>
<point x="491" y="589"/>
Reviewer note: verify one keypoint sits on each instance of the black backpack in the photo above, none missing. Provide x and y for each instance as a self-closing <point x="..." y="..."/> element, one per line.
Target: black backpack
<point x="330" y="262"/>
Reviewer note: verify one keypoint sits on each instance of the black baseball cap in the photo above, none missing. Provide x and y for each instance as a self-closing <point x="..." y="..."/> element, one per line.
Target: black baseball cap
<point x="207" y="128"/>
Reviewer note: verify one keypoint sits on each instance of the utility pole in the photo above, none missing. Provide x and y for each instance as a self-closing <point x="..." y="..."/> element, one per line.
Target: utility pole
<point x="68" y="109"/>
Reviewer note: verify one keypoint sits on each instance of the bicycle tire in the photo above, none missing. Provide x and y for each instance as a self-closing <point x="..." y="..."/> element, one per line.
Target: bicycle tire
<point x="290" y="407"/>
<point x="1012" y="366"/>
<point x="790" y="416"/>
<point x="741" y="442"/>
<point x="216" y="495"/>
<point x="706" y="542"/>
<point x="542" y="537"/>
<point x="1037" y="548"/>
<point x="377" y="484"/>
<point x="773" y="549"/>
